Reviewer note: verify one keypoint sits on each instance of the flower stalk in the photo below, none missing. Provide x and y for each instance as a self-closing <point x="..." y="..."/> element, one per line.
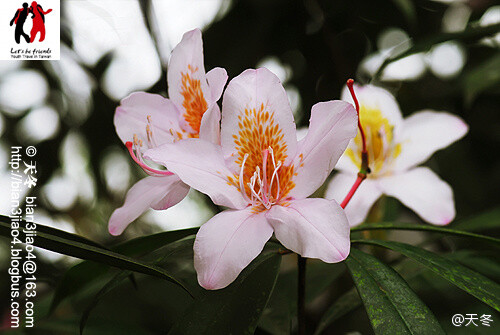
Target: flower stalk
<point x="365" y="169"/>
<point x="301" y="296"/>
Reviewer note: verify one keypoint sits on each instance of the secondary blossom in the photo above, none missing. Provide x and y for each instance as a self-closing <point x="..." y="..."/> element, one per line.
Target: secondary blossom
<point x="395" y="148"/>
<point x="144" y="121"/>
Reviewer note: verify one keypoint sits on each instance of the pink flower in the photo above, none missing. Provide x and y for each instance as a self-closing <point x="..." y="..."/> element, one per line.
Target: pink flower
<point x="395" y="148"/>
<point x="144" y="121"/>
<point x="264" y="175"/>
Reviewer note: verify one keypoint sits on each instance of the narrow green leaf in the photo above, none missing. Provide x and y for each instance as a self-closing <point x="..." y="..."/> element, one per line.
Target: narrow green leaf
<point x="485" y="221"/>
<point x="472" y="282"/>
<point x="282" y="306"/>
<point x="485" y="264"/>
<point x="172" y="253"/>
<point x="345" y="304"/>
<point x="54" y="242"/>
<point x="237" y="308"/>
<point x="110" y="285"/>
<point x="421" y="227"/>
<point x="5" y="229"/>
<point x="408" y="9"/>
<point x="481" y="78"/>
<point x="84" y="273"/>
<point x="471" y="33"/>
<point x="391" y="304"/>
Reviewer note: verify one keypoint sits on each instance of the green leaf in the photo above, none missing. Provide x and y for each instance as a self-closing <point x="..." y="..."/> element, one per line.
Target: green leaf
<point x="481" y="78"/>
<point x="485" y="221"/>
<point x="84" y="273"/>
<point x="472" y="282"/>
<point x="408" y="9"/>
<point x="434" y="229"/>
<point x="110" y="285"/>
<point x="345" y="304"/>
<point x="237" y="308"/>
<point x="5" y="229"/>
<point x="350" y="300"/>
<point x="472" y="33"/>
<point x="282" y="306"/>
<point x="485" y="264"/>
<point x="52" y="239"/>
<point x="391" y="304"/>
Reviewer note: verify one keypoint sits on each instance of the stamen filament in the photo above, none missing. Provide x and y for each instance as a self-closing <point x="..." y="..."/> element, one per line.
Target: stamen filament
<point x="242" y="187"/>
<point x="265" y="153"/>
<point x="275" y="174"/>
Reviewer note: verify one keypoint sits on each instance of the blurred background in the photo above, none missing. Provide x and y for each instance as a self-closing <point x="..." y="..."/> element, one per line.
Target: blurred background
<point x="111" y="48"/>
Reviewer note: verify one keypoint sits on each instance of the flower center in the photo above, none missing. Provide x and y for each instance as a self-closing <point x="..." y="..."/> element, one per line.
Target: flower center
<point x="380" y="142"/>
<point x="260" y="188"/>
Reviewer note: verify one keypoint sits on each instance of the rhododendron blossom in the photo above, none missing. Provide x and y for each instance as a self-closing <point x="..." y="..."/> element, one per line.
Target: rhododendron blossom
<point x="263" y="174"/>
<point x="144" y="121"/>
<point x="395" y="148"/>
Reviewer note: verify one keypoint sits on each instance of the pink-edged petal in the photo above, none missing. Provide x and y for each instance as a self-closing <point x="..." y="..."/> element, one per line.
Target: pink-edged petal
<point x="424" y="192"/>
<point x="201" y="165"/>
<point x="131" y="117"/>
<point x="217" y="78"/>
<point x="210" y="125"/>
<point x="362" y="201"/>
<point x="376" y="98"/>
<point x="148" y="192"/>
<point x="314" y="228"/>
<point x="187" y="81"/>
<point x="333" y="124"/>
<point x="256" y="114"/>
<point x="226" y="244"/>
<point x="426" y="132"/>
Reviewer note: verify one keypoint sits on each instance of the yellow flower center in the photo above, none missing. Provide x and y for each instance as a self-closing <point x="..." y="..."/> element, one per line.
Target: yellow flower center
<point x="379" y="141"/>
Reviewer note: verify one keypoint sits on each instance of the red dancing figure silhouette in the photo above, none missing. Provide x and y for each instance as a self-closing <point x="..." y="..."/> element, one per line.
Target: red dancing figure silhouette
<point x="38" y="21"/>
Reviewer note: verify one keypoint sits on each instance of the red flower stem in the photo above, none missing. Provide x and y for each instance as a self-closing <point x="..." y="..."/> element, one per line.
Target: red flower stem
<point x="364" y="170"/>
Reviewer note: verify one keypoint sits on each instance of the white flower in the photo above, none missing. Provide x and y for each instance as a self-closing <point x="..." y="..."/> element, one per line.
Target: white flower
<point x="395" y="148"/>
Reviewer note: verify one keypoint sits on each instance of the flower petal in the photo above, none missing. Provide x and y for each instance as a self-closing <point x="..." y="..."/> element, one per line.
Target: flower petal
<point x="210" y="125"/>
<point x="187" y="81"/>
<point x="362" y="201"/>
<point x="226" y="244"/>
<point x="333" y="124"/>
<point x="424" y="192"/>
<point x="256" y="114"/>
<point x="426" y="132"/>
<point x="314" y="228"/>
<point x="373" y="97"/>
<point x="160" y="192"/>
<point x="201" y="165"/>
<point x="177" y="193"/>
<point x="217" y="78"/>
<point x="131" y="117"/>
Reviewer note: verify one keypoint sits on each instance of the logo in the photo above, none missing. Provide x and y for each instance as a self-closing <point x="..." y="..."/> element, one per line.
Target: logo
<point x="33" y="32"/>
